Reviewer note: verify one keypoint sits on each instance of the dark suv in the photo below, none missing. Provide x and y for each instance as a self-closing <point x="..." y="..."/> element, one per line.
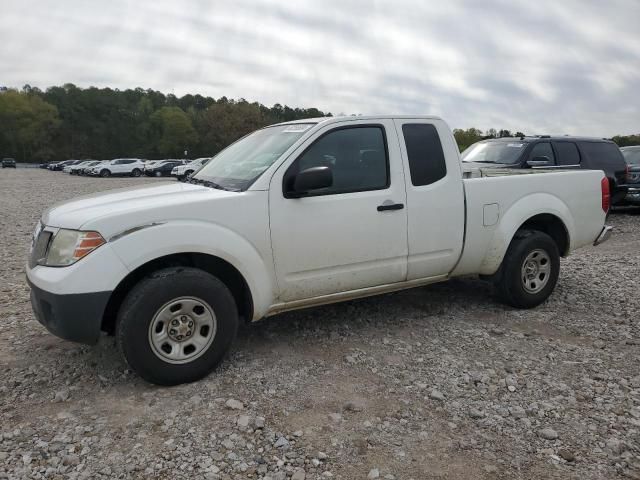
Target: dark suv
<point x="546" y="152"/>
<point x="632" y="157"/>
<point x="8" y="163"/>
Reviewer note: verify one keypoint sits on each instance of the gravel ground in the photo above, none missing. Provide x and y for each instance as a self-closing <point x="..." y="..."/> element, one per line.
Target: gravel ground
<point x="435" y="382"/>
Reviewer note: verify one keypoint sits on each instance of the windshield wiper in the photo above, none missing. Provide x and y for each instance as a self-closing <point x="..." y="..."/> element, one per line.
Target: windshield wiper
<point x="209" y="183"/>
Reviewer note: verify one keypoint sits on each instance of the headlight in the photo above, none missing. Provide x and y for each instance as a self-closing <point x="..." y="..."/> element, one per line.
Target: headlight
<point x="69" y="246"/>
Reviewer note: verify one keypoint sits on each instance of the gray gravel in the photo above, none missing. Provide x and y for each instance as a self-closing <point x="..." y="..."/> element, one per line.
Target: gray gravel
<point x="436" y="382"/>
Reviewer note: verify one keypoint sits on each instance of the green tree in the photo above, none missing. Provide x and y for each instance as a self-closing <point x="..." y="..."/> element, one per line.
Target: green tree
<point x="175" y="131"/>
<point x="28" y="124"/>
<point x="468" y="137"/>
<point x="627" y="140"/>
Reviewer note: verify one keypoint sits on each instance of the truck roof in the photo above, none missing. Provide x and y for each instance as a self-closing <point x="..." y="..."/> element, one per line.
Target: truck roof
<point x="344" y="118"/>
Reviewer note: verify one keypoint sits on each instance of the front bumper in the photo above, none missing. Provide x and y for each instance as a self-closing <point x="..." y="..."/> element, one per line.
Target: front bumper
<point x="76" y="317"/>
<point x="604" y="235"/>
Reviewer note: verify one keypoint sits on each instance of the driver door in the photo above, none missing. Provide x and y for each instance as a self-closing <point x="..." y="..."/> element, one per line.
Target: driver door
<point x="350" y="235"/>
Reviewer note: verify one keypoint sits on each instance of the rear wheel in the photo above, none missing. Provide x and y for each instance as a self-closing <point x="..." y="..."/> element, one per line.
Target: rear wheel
<point x="530" y="269"/>
<point x="176" y="325"/>
<point x="105" y="173"/>
<point x="136" y="172"/>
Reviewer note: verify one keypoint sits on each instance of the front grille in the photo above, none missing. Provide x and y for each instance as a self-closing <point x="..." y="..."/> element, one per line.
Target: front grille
<point x="40" y="248"/>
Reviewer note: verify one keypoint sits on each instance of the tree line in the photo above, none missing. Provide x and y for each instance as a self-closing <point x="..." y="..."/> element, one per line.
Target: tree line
<point x="64" y="122"/>
<point x="103" y="123"/>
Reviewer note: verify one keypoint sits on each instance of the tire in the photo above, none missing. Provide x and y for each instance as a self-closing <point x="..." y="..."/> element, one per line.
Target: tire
<point x="136" y="172"/>
<point x="149" y="310"/>
<point x="158" y="174"/>
<point x="105" y="173"/>
<point x="529" y="270"/>
<point x="187" y="173"/>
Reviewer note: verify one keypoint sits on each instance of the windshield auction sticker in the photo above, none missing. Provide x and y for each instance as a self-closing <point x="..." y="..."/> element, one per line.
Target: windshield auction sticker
<point x="297" y="128"/>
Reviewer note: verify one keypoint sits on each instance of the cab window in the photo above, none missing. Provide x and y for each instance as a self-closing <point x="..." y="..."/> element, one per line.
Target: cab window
<point x="542" y="149"/>
<point x="357" y="157"/>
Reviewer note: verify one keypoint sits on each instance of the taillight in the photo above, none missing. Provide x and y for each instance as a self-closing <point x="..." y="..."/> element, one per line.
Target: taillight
<point x="606" y="194"/>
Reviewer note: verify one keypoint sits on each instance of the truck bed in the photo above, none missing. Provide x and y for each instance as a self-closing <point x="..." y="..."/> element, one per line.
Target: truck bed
<point x="498" y="199"/>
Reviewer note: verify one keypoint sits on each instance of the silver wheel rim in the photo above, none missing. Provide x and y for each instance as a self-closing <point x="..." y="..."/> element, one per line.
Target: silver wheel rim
<point x="536" y="271"/>
<point x="182" y="330"/>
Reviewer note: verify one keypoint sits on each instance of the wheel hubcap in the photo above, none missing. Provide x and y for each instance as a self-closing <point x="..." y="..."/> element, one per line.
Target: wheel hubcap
<point x="536" y="271"/>
<point x="182" y="330"/>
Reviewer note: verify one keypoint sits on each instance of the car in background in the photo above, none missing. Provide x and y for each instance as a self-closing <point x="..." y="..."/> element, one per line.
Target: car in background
<point x="123" y="167"/>
<point x="150" y="164"/>
<point x="632" y="157"/>
<point x="87" y="170"/>
<point x="8" y="163"/>
<point x="163" y="168"/>
<point x="67" y="167"/>
<point x="547" y="152"/>
<point x="181" y="172"/>
<point x="56" y="167"/>
<point x="79" y="167"/>
<point x="44" y="165"/>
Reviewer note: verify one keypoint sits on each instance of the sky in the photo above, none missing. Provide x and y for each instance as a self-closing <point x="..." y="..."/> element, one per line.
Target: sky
<point x="541" y="67"/>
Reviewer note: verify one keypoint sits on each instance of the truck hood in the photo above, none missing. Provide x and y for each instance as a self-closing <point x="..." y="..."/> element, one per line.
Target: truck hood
<point x="76" y="213"/>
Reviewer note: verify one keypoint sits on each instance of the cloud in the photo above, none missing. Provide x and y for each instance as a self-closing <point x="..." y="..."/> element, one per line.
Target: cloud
<point x="540" y="67"/>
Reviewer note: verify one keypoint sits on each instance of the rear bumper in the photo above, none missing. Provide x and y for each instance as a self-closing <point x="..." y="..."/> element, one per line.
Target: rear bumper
<point x="75" y="317"/>
<point x="633" y="195"/>
<point x="604" y="235"/>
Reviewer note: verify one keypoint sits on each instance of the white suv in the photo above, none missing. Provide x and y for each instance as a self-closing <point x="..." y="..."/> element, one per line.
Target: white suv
<point x="183" y="171"/>
<point x="131" y="167"/>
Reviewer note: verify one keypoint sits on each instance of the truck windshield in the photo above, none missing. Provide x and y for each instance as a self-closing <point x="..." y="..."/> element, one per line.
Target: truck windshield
<point x="494" y="152"/>
<point x="241" y="163"/>
<point x="632" y="156"/>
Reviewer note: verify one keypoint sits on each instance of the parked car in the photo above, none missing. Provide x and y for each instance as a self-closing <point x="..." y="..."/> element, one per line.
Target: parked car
<point x="162" y="169"/>
<point x="44" y="165"/>
<point x="8" y="163"/>
<point x="182" y="172"/>
<point x="56" y="167"/>
<point x="632" y="157"/>
<point x="127" y="167"/>
<point x="295" y="215"/>
<point x="79" y="168"/>
<point x="546" y="152"/>
<point x="150" y="164"/>
<point x="68" y="166"/>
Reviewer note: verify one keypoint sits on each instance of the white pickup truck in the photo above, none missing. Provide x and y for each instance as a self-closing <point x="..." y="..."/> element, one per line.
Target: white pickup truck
<point x="294" y="215"/>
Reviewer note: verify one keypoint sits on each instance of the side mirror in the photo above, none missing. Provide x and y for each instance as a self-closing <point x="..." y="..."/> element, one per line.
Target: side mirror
<point x="310" y="179"/>
<point x="539" y="162"/>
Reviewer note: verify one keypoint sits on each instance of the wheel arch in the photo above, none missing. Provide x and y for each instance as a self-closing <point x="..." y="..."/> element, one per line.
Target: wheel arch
<point x="222" y="269"/>
<point x="552" y="226"/>
<point x="542" y="212"/>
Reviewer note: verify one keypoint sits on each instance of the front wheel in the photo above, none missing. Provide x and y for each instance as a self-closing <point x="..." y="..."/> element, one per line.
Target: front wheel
<point x="105" y="173"/>
<point x="530" y="269"/>
<point x="176" y="325"/>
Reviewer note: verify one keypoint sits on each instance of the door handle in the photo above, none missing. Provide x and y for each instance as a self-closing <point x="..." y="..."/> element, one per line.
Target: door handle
<point x="390" y="206"/>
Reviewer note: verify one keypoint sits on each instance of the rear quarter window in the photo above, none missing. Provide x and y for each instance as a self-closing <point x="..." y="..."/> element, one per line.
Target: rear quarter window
<point x="603" y="154"/>
<point x="424" y="151"/>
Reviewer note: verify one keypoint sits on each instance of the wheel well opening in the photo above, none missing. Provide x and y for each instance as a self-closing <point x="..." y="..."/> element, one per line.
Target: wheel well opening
<point x="552" y="226"/>
<point x="222" y="269"/>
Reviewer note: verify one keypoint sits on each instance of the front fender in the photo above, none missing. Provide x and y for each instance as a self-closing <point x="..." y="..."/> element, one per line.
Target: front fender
<point x="514" y="217"/>
<point x="189" y="236"/>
